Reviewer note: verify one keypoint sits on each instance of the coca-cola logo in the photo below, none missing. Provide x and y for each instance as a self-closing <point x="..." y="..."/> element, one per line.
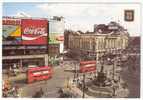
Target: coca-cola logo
<point x="34" y="31"/>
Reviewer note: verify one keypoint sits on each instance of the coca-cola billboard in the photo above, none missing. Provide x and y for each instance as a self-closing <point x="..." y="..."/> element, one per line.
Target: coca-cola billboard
<point x="34" y="31"/>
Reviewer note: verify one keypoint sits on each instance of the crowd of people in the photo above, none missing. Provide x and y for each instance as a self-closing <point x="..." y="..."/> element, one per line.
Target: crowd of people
<point x="9" y="90"/>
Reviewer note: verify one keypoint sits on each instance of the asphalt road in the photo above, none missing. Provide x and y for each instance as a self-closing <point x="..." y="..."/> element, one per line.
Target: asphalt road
<point x="51" y="86"/>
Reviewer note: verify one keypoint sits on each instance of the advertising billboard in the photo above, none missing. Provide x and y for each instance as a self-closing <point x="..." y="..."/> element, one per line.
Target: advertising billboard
<point x="34" y="31"/>
<point x="56" y="31"/>
<point x="11" y="31"/>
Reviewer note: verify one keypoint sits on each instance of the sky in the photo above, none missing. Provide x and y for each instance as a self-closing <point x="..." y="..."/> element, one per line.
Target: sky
<point x="79" y="16"/>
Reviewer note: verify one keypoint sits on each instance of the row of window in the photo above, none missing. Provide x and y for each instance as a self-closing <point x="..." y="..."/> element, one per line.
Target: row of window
<point x="98" y="43"/>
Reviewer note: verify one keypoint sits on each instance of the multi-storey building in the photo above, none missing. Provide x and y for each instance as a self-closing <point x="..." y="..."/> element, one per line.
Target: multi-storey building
<point x="25" y="42"/>
<point x="56" y="35"/>
<point x="29" y="41"/>
<point x="97" y="43"/>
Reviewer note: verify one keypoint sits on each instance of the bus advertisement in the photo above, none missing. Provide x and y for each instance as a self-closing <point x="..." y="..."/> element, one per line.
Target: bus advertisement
<point x="39" y="73"/>
<point x="87" y="66"/>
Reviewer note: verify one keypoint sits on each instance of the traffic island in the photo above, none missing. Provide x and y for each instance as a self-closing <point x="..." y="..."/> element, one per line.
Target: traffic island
<point x="115" y="90"/>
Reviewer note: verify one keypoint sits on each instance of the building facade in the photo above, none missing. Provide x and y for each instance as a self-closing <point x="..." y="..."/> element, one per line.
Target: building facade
<point x="24" y="42"/>
<point x="56" y="35"/>
<point x="96" y="44"/>
<point x="29" y="41"/>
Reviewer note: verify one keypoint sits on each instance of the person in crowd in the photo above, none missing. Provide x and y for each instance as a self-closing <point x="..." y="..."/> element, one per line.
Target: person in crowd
<point x="39" y="93"/>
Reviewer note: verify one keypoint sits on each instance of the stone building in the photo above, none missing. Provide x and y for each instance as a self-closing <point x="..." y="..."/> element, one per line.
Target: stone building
<point x="95" y="44"/>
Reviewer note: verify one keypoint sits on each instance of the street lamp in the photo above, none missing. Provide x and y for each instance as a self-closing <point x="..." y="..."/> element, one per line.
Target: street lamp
<point x="83" y="86"/>
<point x="113" y="59"/>
<point x="75" y="72"/>
<point x="113" y="62"/>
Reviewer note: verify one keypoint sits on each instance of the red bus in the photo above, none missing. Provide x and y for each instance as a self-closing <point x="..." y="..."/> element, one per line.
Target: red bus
<point x="39" y="73"/>
<point x="87" y="66"/>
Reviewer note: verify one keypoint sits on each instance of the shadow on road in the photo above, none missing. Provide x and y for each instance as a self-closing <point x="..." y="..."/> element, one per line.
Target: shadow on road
<point x="20" y="81"/>
<point x="72" y="71"/>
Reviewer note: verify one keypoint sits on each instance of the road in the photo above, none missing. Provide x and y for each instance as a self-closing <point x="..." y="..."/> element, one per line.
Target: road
<point x="130" y="73"/>
<point x="51" y="86"/>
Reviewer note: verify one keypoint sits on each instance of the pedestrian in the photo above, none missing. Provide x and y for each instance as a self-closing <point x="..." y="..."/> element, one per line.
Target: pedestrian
<point x="77" y="74"/>
<point x="5" y="93"/>
<point x="7" y="85"/>
<point x="119" y="78"/>
<point x="41" y="91"/>
<point x="38" y="94"/>
<point x="124" y="85"/>
<point x="77" y="80"/>
<point x="9" y="71"/>
<point x="61" y="63"/>
<point x="60" y="91"/>
<point x="122" y="92"/>
<point x="16" y="90"/>
<point x="15" y="69"/>
<point x="80" y="85"/>
<point x="114" y="91"/>
<point x="20" y="92"/>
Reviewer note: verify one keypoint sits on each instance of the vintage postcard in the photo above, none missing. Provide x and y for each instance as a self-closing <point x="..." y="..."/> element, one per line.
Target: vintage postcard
<point x="71" y="50"/>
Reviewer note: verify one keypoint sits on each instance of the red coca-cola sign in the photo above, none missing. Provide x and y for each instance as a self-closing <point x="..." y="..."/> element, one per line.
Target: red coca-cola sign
<point x="34" y="31"/>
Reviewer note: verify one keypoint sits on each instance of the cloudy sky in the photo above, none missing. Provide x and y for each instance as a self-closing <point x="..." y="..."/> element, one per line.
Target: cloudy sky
<point x="78" y="16"/>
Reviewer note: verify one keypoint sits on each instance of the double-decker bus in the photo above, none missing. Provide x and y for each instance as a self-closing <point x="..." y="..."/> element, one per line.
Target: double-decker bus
<point x="87" y="66"/>
<point x="39" y="73"/>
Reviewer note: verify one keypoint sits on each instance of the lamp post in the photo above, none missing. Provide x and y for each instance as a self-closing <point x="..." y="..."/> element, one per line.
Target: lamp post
<point x="113" y="62"/>
<point x="83" y="86"/>
<point x="102" y="65"/>
<point x="75" y="72"/>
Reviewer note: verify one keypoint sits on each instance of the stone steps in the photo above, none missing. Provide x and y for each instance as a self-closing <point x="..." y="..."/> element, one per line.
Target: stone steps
<point x="99" y="91"/>
<point x="102" y="89"/>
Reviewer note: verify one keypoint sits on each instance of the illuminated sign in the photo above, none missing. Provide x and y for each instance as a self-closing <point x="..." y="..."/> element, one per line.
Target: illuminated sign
<point x="56" y="31"/>
<point x="11" y="31"/>
<point x="11" y="21"/>
<point x="34" y="31"/>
